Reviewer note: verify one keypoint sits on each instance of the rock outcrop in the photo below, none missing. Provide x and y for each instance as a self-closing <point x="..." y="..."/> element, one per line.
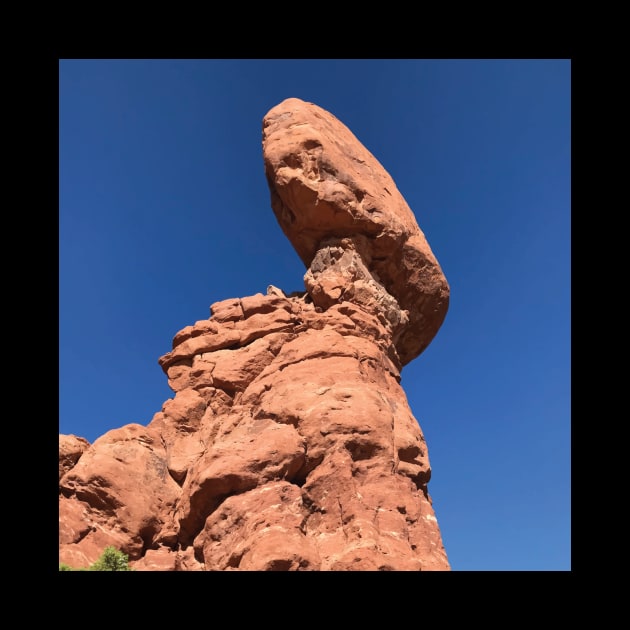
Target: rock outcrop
<point x="289" y="443"/>
<point x="324" y="183"/>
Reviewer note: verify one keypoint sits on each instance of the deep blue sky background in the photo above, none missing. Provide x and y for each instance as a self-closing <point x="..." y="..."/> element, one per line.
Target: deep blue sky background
<point x="164" y="209"/>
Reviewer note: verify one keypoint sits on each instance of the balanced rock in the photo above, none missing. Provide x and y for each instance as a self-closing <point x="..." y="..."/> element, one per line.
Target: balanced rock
<point x="324" y="183"/>
<point x="289" y="444"/>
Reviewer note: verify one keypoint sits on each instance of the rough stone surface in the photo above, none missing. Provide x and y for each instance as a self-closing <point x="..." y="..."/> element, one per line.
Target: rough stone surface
<point x="325" y="183"/>
<point x="288" y="444"/>
<point x="71" y="448"/>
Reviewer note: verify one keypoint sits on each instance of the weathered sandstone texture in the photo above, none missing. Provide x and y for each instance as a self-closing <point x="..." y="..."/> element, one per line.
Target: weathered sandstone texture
<point x="324" y="183"/>
<point x="289" y="443"/>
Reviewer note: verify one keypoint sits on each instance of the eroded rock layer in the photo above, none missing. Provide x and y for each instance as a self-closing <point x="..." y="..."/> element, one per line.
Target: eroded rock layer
<point x="289" y="443"/>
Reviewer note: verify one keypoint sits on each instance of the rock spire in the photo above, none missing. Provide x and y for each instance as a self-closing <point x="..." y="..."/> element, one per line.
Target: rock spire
<point x="289" y="443"/>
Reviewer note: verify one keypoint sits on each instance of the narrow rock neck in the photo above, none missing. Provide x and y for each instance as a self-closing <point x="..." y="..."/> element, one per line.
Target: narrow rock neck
<point x="340" y="272"/>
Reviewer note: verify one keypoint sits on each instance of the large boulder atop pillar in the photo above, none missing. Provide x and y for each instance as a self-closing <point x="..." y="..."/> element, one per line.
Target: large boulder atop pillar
<point x="289" y="444"/>
<point x="325" y="184"/>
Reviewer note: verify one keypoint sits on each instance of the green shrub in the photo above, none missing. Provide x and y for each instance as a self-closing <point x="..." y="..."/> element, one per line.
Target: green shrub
<point x="111" y="560"/>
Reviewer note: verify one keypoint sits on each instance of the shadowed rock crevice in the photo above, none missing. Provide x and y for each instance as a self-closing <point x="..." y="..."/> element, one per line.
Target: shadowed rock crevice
<point x="288" y="444"/>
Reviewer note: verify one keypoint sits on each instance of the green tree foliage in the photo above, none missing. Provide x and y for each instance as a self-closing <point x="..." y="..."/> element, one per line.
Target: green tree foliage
<point x="111" y="560"/>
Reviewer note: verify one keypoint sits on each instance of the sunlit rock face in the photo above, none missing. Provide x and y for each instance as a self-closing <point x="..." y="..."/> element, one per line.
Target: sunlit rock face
<point x="325" y="183"/>
<point x="288" y="444"/>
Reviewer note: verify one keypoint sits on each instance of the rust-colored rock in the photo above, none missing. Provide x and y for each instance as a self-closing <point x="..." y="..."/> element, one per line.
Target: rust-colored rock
<point x="324" y="183"/>
<point x="289" y="444"/>
<point x="71" y="448"/>
<point x="118" y="493"/>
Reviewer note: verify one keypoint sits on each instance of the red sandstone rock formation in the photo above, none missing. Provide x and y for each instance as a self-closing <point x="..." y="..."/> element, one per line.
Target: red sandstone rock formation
<point x="289" y="443"/>
<point x="324" y="183"/>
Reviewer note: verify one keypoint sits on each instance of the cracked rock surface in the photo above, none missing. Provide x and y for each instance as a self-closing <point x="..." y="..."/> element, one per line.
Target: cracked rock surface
<point x="289" y="443"/>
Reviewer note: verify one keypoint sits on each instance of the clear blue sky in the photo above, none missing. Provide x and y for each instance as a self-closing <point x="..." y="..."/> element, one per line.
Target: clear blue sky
<point x="164" y="209"/>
